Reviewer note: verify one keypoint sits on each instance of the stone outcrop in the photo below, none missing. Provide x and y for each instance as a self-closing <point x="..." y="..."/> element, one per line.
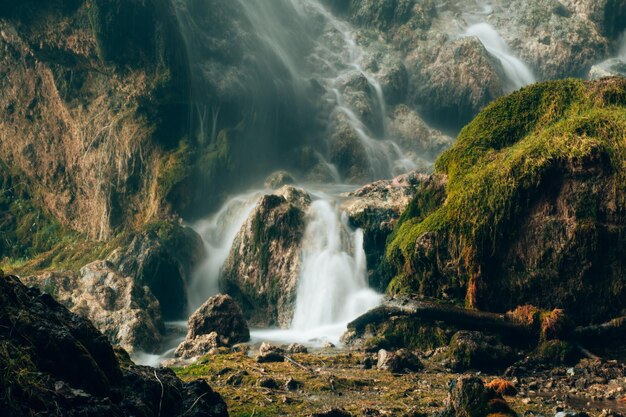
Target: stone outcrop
<point x="56" y="363"/>
<point x="163" y="257"/>
<point x="139" y="285"/>
<point x="261" y="271"/>
<point x="126" y="312"/>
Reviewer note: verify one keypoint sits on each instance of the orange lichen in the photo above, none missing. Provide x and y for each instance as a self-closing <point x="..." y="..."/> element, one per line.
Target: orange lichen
<point x="502" y="387"/>
<point x="527" y="315"/>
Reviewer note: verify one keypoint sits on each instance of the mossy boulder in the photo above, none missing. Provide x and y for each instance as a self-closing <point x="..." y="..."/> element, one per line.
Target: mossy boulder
<point x="399" y="333"/>
<point x="533" y="211"/>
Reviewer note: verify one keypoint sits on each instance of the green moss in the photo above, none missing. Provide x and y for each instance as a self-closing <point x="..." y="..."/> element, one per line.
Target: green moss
<point x="174" y="168"/>
<point x="406" y="333"/>
<point x="499" y="163"/>
<point x="26" y="230"/>
<point x="555" y="352"/>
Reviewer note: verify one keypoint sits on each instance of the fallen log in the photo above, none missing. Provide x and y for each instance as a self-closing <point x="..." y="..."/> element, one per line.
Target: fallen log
<point x="611" y="331"/>
<point x="435" y="312"/>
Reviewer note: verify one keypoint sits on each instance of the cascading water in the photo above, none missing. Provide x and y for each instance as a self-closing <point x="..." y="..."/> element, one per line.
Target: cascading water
<point x="287" y="46"/>
<point x="332" y="288"/>
<point x="517" y="73"/>
<point x="218" y="234"/>
<point x="333" y="285"/>
<point x="621" y="53"/>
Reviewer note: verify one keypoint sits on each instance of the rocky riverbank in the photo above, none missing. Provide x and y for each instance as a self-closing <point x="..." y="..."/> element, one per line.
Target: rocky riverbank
<point x="330" y="379"/>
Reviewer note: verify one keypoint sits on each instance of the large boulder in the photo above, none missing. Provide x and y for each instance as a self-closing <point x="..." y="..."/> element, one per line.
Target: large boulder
<point x="56" y="363"/>
<point x="123" y="310"/>
<point x="262" y="269"/>
<point x="222" y="315"/>
<point x="163" y="257"/>
<point x="531" y="213"/>
<point x="451" y="81"/>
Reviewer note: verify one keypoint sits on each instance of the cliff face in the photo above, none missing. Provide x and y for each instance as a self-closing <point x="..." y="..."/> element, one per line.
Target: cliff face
<point x="533" y="211"/>
<point x="92" y="97"/>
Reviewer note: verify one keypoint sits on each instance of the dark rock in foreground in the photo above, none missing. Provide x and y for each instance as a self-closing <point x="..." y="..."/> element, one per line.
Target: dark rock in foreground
<point x="469" y="397"/>
<point x="57" y="363"/>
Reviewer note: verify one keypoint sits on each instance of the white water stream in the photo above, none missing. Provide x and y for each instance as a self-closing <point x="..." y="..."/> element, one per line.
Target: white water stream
<point x="517" y="72"/>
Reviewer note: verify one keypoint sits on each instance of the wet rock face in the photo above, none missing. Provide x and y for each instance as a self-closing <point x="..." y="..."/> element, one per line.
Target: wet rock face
<point x="123" y="310"/>
<point x="376" y="208"/>
<point x="222" y="315"/>
<point x="261" y="271"/>
<point x="414" y="135"/>
<point x="557" y="41"/>
<point x="57" y="363"/>
<point x="163" y="258"/>
<point x="452" y="80"/>
<point x="96" y="167"/>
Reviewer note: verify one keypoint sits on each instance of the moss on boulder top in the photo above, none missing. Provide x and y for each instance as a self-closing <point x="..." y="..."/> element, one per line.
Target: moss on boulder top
<point x="533" y="208"/>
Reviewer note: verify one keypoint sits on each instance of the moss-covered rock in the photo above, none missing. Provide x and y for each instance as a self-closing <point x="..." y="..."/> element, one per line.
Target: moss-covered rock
<point x="482" y="352"/>
<point x="400" y="332"/>
<point x="533" y="207"/>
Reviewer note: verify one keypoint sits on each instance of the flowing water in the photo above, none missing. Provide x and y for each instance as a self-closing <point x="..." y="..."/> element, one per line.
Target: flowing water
<point x="517" y="73"/>
<point x="218" y="234"/>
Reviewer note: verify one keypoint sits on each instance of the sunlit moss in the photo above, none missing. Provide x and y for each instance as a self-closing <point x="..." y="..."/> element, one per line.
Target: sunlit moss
<point x="499" y="163"/>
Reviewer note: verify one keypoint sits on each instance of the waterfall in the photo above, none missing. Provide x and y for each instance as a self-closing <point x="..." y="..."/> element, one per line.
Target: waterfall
<point x="621" y="53"/>
<point x="284" y="74"/>
<point x="332" y="287"/>
<point x="517" y="73"/>
<point x="218" y="234"/>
